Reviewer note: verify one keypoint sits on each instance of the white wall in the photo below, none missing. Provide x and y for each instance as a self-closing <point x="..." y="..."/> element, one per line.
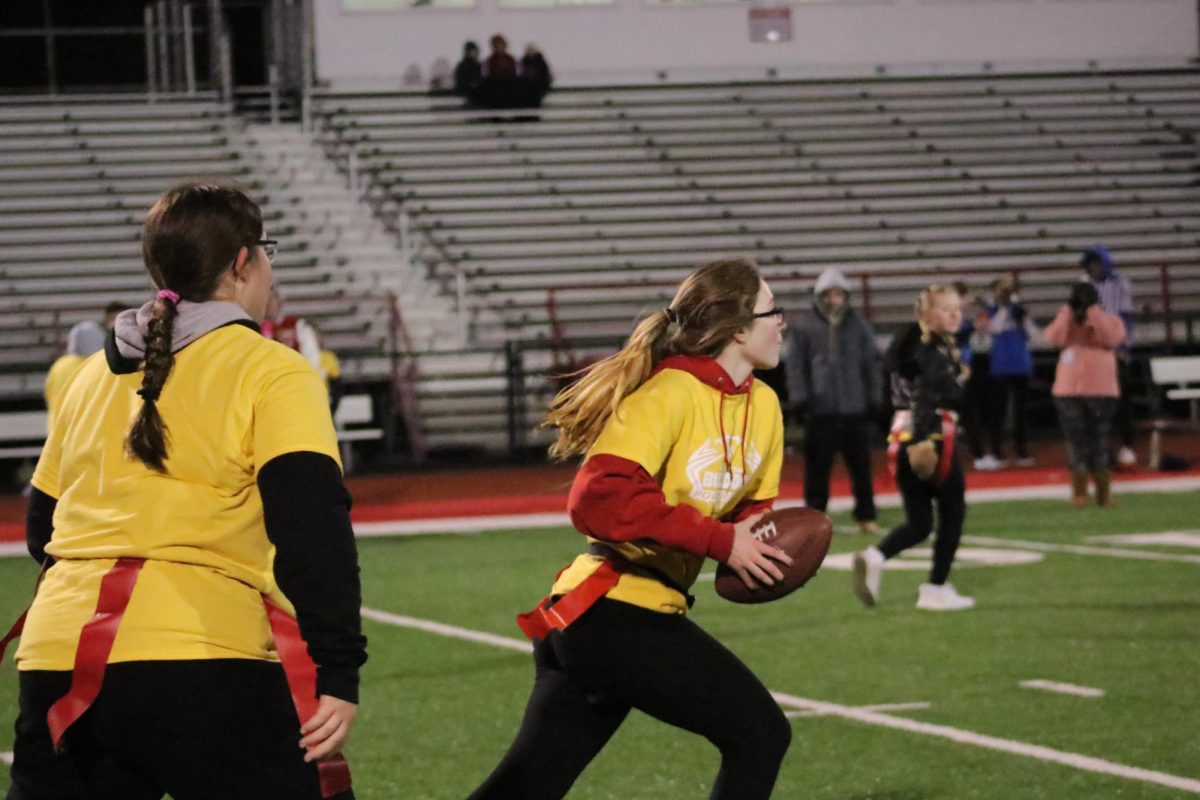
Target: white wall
<point x="631" y="41"/>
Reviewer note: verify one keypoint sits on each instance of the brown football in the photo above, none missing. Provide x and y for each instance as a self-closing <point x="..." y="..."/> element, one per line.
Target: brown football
<point x="802" y="533"/>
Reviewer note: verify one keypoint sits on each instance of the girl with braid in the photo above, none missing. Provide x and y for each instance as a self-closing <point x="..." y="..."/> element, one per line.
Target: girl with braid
<point x="160" y="655"/>
<point x="683" y="450"/>
<point x="927" y="390"/>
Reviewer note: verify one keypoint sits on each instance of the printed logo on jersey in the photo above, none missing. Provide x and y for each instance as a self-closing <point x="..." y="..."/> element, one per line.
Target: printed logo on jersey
<point x="711" y="482"/>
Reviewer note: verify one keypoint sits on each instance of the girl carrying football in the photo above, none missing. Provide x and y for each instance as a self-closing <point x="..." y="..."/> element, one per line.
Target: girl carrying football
<point x="683" y="453"/>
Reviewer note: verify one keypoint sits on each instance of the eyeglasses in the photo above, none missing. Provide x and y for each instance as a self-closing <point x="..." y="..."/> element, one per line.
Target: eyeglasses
<point x="269" y="246"/>
<point x="777" y="311"/>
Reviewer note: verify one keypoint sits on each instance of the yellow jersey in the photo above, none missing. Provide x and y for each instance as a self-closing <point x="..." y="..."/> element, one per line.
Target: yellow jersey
<point x="232" y="402"/>
<point x="708" y="445"/>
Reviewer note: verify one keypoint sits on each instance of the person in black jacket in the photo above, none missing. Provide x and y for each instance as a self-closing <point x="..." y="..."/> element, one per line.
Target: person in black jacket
<point x="468" y="75"/>
<point x="927" y="390"/>
<point x="834" y="381"/>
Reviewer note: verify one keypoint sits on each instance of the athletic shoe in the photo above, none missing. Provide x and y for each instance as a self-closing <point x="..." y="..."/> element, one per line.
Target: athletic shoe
<point x="933" y="597"/>
<point x="1126" y="458"/>
<point x="1025" y="461"/>
<point x="868" y="573"/>
<point x="868" y="526"/>
<point x="987" y="464"/>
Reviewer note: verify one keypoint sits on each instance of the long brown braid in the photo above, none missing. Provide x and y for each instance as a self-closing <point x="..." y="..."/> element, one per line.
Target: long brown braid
<point x="191" y="237"/>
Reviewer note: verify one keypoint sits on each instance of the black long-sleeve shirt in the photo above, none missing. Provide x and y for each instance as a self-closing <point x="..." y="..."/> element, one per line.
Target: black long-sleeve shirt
<point x="927" y="375"/>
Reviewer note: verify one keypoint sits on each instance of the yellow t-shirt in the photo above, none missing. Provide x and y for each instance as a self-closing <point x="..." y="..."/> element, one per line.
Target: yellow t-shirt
<point x="232" y="402"/>
<point x="669" y="426"/>
<point x="56" y="381"/>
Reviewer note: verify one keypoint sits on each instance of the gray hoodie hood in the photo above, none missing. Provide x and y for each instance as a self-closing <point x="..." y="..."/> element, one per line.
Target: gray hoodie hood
<point x="193" y="321"/>
<point x="831" y="278"/>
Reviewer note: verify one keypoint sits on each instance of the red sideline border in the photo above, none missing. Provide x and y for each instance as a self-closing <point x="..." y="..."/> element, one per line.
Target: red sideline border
<point x="556" y="502"/>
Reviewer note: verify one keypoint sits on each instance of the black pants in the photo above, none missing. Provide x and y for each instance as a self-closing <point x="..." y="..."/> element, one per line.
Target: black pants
<point x="824" y="437"/>
<point x="197" y="730"/>
<point x="1087" y="426"/>
<point x="1005" y="387"/>
<point x="616" y="657"/>
<point x="919" y="499"/>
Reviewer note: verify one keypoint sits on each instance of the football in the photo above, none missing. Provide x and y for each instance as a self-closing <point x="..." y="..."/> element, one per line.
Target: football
<point x="802" y="533"/>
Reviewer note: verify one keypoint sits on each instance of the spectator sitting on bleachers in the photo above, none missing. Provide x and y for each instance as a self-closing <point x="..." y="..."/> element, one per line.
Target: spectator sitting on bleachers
<point x="468" y="75"/>
<point x="1012" y="364"/>
<point x="1116" y="297"/>
<point x="500" y="63"/>
<point x="536" y="77"/>
<point x="501" y="86"/>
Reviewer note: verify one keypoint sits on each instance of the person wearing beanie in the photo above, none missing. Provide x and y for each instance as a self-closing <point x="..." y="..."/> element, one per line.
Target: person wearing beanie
<point x="835" y="383"/>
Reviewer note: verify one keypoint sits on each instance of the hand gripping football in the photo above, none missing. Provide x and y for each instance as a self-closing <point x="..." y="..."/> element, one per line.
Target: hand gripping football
<point x="802" y="533"/>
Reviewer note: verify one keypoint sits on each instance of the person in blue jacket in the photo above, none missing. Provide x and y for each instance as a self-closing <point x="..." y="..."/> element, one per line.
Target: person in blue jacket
<point x="1011" y="366"/>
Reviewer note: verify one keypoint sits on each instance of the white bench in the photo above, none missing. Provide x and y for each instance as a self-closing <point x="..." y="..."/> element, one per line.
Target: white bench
<point x="1180" y="372"/>
<point x="18" y="431"/>
<point x="354" y="409"/>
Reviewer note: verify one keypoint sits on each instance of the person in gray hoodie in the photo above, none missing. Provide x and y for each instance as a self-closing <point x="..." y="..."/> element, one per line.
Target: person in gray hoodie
<point x="834" y="382"/>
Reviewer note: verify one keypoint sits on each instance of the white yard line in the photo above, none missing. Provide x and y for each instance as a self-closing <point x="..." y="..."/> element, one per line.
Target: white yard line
<point x="864" y="715"/>
<point x="1083" y="550"/>
<point x="876" y="707"/>
<point x="416" y="527"/>
<point x="451" y="631"/>
<point x="1062" y="688"/>
<point x="1067" y="759"/>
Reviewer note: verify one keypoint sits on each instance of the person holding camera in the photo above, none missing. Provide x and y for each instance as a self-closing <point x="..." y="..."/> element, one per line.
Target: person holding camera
<point x="1085" y="388"/>
<point x="1011" y="367"/>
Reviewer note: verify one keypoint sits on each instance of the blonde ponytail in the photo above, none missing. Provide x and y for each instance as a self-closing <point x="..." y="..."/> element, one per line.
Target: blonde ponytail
<point x="710" y="307"/>
<point x="581" y="410"/>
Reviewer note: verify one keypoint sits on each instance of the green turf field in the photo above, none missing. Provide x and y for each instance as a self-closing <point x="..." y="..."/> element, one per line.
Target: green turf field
<point x="438" y="712"/>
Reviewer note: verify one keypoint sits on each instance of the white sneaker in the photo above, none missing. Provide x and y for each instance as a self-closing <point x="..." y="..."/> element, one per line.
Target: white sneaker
<point x="1126" y="457"/>
<point x="942" y="598"/>
<point x="987" y="464"/>
<point x="868" y="573"/>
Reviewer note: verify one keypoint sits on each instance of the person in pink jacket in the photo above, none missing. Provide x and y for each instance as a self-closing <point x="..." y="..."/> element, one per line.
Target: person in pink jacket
<point x="1085" y="388"/>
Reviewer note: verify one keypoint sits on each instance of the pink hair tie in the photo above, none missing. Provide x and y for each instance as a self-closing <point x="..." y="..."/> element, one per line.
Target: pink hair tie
<point x="169" y="296"/>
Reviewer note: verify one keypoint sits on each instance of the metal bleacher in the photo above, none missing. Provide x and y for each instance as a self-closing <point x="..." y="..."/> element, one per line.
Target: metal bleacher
<point x="578" y="216"/>
<point x="77" y="175"/>
<point x="492" y="235"/>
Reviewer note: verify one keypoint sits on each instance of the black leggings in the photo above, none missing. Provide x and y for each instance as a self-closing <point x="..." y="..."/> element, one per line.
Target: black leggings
<point x="919" y="499"/>
<point x="617" y="657"/>
<point x="223" y="729"/>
